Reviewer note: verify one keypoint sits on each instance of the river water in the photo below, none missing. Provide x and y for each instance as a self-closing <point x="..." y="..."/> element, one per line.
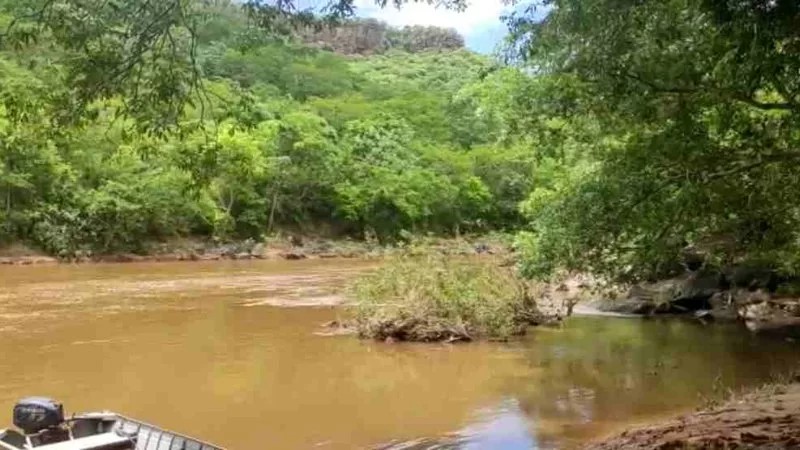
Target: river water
<point x="230" y="352"/>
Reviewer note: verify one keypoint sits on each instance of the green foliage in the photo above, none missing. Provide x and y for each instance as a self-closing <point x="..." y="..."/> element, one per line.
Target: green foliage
<point x="440" y="299"/>
<point x="149" y="121"/>
<point x="435" y="71"/>
<point x="632" y="133"/>
<point x="685" y="121"/>
<point x="296" y="71"/>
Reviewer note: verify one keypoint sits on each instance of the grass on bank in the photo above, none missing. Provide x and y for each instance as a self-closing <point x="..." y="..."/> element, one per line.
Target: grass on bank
<point x="435" y="298"/>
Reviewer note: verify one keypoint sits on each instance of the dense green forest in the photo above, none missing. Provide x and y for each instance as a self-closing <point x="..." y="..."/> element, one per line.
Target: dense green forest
<point x="281" y="135"/>
<point x="616" y="137"/>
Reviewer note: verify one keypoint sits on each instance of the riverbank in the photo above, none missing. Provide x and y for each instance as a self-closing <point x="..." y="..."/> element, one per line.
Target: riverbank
<point x="279" y="248"/>
<point x="767" y="418"/>
<point x="764" y="301"/>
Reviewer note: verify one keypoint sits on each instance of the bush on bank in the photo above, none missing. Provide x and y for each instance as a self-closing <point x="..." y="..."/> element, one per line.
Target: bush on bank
<point x="434" y="298"/>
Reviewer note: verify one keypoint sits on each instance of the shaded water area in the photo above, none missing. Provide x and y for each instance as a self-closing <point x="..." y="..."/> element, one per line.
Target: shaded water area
<point x="227" y="351"/>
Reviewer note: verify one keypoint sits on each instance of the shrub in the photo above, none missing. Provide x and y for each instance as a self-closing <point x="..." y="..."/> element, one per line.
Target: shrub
<point x="438" y="299"/>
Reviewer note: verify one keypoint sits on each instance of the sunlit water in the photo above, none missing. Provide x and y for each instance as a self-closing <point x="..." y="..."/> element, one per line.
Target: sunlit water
<point x="228" y="352"/>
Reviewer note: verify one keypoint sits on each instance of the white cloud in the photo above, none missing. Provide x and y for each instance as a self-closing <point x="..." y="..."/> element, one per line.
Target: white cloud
<point x="479" y="14"/>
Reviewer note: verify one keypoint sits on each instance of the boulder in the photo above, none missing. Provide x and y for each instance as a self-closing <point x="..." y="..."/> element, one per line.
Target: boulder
<point x="686" y="294"/>
<point x="694" y="291"/>
<point x="629" y="305"/>
<point x="124" y="258"/>
<point x="205" y="257"/>
<point x="293" y="255"/>
<point x="722" y="307"/>
<point x="225" y="251"/>
<point x="648" y="298"/>
<point x="774" y="316"/>
<point x="169" y="257"/>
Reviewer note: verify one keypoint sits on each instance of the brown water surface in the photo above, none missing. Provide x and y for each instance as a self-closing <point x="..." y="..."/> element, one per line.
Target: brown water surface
<point x="227" y="351"/>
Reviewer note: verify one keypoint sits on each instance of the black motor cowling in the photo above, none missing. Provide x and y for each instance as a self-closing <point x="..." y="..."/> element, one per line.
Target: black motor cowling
<point x="34" y="414"/>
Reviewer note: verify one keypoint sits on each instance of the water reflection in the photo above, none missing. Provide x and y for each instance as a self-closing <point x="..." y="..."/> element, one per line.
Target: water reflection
<point x="504" y="426"/>
<point x="597" y="375"/>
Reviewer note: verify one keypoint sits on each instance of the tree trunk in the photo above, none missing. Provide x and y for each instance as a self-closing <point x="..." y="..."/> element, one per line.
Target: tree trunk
<point x="272" y="212"/>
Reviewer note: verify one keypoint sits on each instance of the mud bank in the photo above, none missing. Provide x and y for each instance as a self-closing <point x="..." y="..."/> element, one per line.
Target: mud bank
<point x="291" y="248"/>
<point x="768" y="418"/>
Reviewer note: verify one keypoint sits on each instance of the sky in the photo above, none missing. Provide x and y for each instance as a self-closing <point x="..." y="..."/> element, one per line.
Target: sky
<point x="480" y="24"/>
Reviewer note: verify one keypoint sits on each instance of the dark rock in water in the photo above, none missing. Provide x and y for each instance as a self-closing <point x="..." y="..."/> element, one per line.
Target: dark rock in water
<point x="774" y="316"/>
<point x="693" y="292"/>
<point x="170" y="257"/>
<point x="125" y="257"/>
<point x="649" y="298"/>
<point x="743" y="293"/>
<point x="293" y="256"/>
<point x="225" y="251"/>
<point x="630" y="305"/>
<point x="723" y="306"/>
<point x="205" y="257"/>
<point x="681" y="295"/>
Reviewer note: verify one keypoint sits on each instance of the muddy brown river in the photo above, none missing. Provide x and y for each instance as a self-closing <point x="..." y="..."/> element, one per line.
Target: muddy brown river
<point x="229" y="352"/>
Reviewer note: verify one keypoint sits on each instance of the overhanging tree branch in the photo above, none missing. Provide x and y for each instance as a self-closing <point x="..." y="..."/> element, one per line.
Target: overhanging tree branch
<point x="734" y="95"/>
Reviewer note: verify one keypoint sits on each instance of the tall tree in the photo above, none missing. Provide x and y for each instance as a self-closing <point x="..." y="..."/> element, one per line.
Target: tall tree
<point x="699" y="107"/>
<point x="146" y="51"/>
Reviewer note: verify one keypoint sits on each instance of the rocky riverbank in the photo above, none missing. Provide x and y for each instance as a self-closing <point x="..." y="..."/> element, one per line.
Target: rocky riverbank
<point x="768" y="418"/>
<point x="760" y="298"/>
<point x="287" y="248"/>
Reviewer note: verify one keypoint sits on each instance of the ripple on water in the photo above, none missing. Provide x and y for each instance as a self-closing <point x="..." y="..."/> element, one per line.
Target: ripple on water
<point x="294" y="302"/>
<point x="504" y="426"/>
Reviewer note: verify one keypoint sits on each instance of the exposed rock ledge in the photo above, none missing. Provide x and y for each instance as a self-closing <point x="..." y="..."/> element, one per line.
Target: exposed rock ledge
<point x="753" y="298"/>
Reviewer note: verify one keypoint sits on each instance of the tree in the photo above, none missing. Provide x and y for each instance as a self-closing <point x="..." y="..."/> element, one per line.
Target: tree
<point x="262" y="135"/>
<point x="144" y="51"/>
<point x="697" y="104"/>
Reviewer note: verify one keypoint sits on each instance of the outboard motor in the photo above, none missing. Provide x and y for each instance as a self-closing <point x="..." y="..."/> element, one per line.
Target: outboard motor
<point x="35" y="414"/>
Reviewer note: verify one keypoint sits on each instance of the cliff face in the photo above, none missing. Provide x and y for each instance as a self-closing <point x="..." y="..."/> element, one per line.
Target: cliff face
<point x="370" y="36"/>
